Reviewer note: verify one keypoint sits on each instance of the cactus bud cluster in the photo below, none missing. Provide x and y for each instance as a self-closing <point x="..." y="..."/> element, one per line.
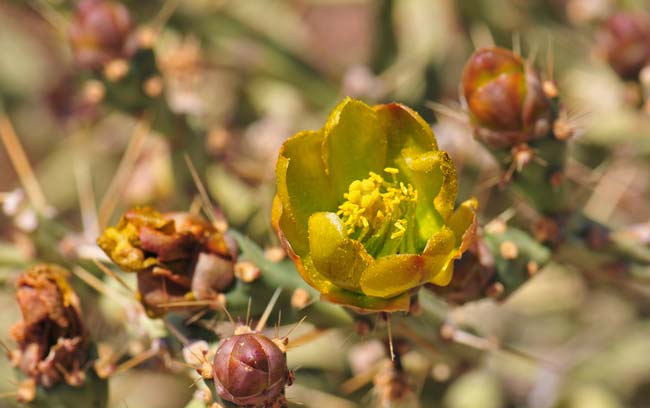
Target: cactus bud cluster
<point x="251" y="370"/>
<point x="52" y="342"/>
<point x="101" y="31"/>
<point x="505" y="99"/>
<point x="177" y="257"/>
<point x="625" y="43"/>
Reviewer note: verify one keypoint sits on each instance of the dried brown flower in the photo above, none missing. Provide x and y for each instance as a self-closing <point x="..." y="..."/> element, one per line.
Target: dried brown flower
<point x="177" y="256"/>
<point x="52" y="342"/>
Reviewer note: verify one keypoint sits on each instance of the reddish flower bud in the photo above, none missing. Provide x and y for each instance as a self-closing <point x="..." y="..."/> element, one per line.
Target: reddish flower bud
<point x="251" y="370"/>
<point x="52" y="344"/>
<point x="177" y="256"/>
<point x="101" y="31"/>
<point x="504" y="98"/>
<point x="625" y="41"/>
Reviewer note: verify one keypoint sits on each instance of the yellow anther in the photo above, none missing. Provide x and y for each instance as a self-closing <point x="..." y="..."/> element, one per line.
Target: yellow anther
<point x="355" y="185"/>
<point x="373" y="201"/>
<point x="354" y="196"/>
<point x="400" y="225"/>
<point x="367" y="185"/>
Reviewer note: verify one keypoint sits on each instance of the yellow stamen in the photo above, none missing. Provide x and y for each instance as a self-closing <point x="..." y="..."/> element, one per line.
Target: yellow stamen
<point x="373" y="201"/>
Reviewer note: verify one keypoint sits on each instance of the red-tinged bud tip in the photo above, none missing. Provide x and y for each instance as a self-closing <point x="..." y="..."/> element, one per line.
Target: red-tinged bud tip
<point x="625" y="42"/>
<point x="101" y="31"/>
<point x="504" y="98"/>
<point x="250" y="369"/>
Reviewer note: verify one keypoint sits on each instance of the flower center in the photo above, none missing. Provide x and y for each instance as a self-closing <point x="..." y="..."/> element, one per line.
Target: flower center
<point x="378" y="212"/>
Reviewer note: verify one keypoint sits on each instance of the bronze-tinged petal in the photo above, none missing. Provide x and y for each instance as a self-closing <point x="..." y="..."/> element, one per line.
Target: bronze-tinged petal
<point x="485" y="65"/>
<point x="167" y="247"/>
<point x="498" y="103"/>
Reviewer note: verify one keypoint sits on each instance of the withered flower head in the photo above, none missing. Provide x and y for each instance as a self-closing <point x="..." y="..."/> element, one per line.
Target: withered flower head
<point x="52" y="343"/>
<point x="100" y="32"/>
<point x="251" y="370"/>
<point x="625" y="41"/>
<point x="504" y="98"/>
<point x="177" y="256"/>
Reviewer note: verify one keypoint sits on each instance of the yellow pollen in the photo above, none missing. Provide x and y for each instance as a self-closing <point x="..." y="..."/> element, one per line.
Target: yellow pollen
<point x="372" y="202"/>
<point x="400" y="226"/>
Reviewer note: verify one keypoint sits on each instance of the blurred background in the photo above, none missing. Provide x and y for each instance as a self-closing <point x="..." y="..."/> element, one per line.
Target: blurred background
<point x="229" y="80"/>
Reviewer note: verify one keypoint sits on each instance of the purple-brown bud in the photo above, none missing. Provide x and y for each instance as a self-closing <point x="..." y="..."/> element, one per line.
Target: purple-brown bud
<point x="52" y="343"/>
<point x="251" y="370"/>
<point x="177" y="256"/>
<point x="625" y="41"/>
<point x="101" y="31"/>
<point x="504" y="98"/>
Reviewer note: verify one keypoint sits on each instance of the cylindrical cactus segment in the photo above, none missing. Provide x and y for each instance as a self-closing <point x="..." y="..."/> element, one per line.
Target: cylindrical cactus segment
<point x="504" y="98"/>
<point x="250" y="369"/>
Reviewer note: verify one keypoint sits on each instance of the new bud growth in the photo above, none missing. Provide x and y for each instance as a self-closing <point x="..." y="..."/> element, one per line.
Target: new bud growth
<point x="504" y="98"/>
<point x="625" y="42"/>
<point x="101" y="31"/>
<point x="251" y="370"/>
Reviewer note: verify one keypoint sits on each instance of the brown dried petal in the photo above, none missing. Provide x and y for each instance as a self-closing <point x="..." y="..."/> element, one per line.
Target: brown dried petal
<point x="157" y="291"/>
<point x="212" y="275"/>
<point x="167" y="247"/>
<point x="51" y="336"/>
